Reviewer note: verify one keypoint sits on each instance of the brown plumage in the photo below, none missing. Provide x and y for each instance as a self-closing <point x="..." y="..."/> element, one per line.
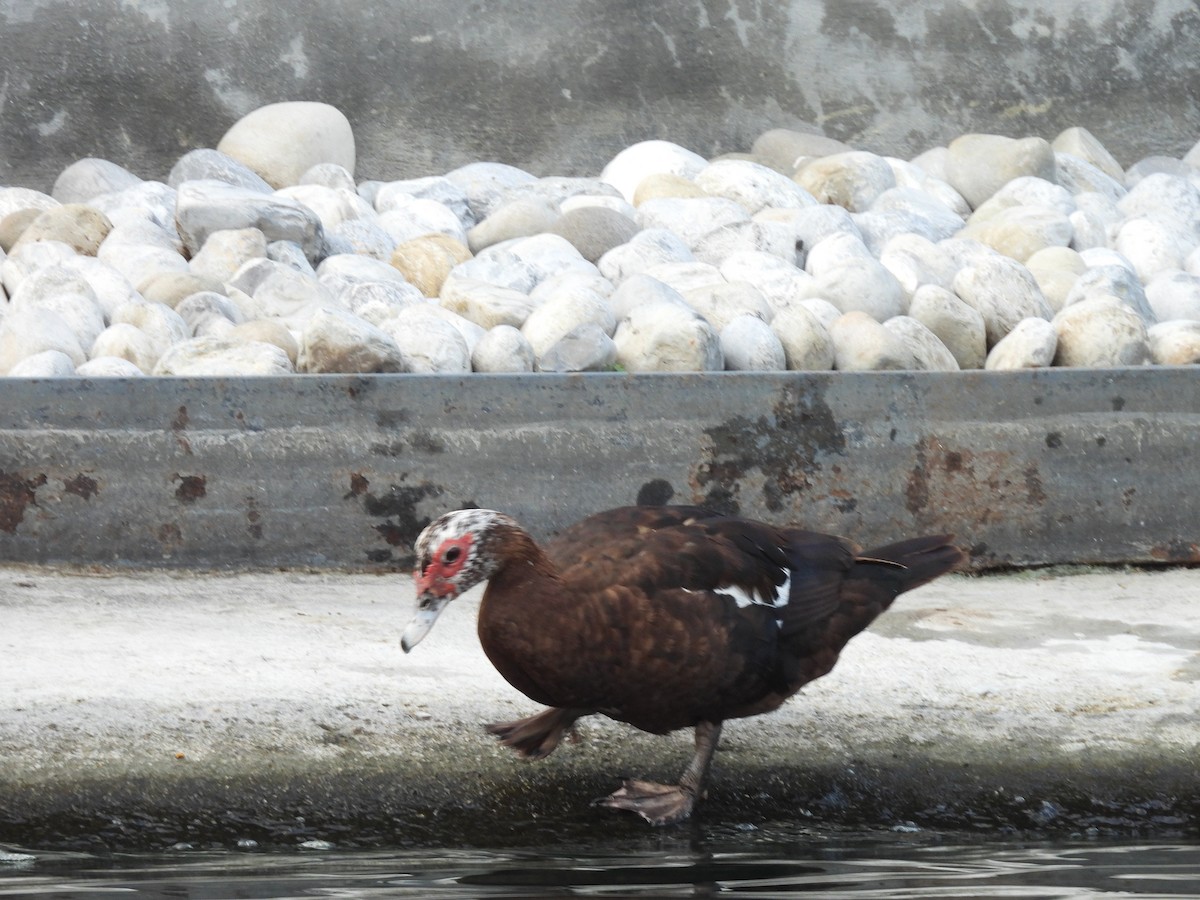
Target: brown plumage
<point x="663" y="617"/>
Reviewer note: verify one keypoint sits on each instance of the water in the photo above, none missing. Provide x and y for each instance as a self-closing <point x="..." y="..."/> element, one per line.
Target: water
<point x="762" y="862"/>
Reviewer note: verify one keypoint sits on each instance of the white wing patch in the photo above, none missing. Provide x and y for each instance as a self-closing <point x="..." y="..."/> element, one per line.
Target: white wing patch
<point x="744" y="598"/>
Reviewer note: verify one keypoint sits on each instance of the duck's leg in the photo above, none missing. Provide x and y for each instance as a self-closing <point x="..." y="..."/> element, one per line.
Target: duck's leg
<point x="536" y="736"/>
<point x="666" y="804"/>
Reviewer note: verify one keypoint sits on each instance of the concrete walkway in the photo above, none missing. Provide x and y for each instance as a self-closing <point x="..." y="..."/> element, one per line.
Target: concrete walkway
<point x="143" y="709"/>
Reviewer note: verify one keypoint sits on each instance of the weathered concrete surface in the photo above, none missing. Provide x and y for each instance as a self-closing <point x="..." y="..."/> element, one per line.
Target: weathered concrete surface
<point x="560" y="88"/>
<point x="1026" y="468"/>
<point x="149" y="708"/>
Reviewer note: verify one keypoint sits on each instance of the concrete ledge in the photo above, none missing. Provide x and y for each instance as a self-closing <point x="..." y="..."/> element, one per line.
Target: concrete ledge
<point x="149" y="708"/>
<point x="1027" y="468"/>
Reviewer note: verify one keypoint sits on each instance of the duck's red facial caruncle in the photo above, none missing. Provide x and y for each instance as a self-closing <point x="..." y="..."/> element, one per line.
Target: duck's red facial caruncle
<point x="438" y="577"/>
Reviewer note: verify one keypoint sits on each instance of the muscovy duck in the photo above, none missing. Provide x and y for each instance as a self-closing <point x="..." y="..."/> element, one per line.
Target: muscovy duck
<point x="663" y="617"/>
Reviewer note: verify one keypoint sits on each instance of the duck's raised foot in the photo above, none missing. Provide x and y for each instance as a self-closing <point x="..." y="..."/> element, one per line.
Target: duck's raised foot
<point x="536" y="736"/>
<point x="658" y="804"/>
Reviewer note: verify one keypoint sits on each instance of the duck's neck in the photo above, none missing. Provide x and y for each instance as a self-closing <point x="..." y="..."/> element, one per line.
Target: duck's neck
<point x="521" y="562"/>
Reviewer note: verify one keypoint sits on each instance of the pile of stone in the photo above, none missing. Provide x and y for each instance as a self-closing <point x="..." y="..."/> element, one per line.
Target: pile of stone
<point x="264" y="256"/>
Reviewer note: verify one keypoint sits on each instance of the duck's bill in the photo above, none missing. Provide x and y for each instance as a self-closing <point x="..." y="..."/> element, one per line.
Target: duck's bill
<point x="422" y="622"/>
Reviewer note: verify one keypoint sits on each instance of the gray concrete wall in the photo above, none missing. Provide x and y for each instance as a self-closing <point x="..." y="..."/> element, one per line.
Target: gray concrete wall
<point x="1044" y="466"/>
<point x="558" y="87"/>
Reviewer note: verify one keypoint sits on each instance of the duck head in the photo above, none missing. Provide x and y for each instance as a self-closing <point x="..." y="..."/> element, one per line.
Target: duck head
<point x="453" y="554"/>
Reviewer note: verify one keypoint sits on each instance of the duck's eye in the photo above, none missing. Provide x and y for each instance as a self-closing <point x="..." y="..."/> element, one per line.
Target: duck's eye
<point x="453" y="554"/>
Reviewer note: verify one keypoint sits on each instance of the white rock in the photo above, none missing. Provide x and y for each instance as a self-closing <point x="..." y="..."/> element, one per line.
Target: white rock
<point x="47" y="364"/>
<point x="546" y="255"/>
<point x="1113" y="281"/>
<point x="1151" y="246"/>
<point x="522" y="217"/>
<point x="691" y="218"/>
<point x="26" y="332"/>
<point x="812" y="224"/>
<point x="558" y="316"/>
<point x="570" y="281"/>
<point x="1026" y="190"/>
<point x="208" y="312"/>
<point x="775" y="238"/>
<point x="329" y="175"/>
<point x="825" y="311"/>
<point x="89" y="177"/>
<point x="1100" y="333"/>
<point x="266" y="331"/>
<point x="485" y="304"/>
<point x="834" y="250"/>
<point x="15" y="199"/>
<point x="915" y="261"/>
<point x="468" y="330"/>
<point x="224" y="252"/>
<point x="751" y="186"/>
<point x="497" y="266"/>
<point x="502" y="349"/>
<point x="1020" y="231"/>
<point x="436" y="190"/>
<point x="1191" y="265"/>
<point x="378" y="301"/>
<point x="1056" y="269"/>
<point x="928" y="351"/>
<point x="419" y="216"/>
<point x="29" y="258"/>
<point x="645" y="290"/>
<point x="337" y="341"/>
<point x="780" y="282"/>
<point x="160" y="323"/>
<point x="208" y="356"/>
<point x="1094" y="219"/>
<point x="109" y="286"/>
<point x="140" y="263"/>
<point x="1004" y="292"/>
<point x="862" y="285"/>
<point x="487" y="184"/>
<point x="978" y="165"/>
<point x="130" y="343"/>
<point x="635" y="163"/>
<point x="428" y="342"/>
<point x="1078" y="177"/>
<point x="910" y="175"/>
<point x="333" y="206"/>
<point x="67" y="293"/>
<point x="274" y="290"/>
<point x="1171" y="200"/>
<point x="594" y="230"/>
<point x="617" y="204"/>
<point x="1030" y="345"/>
<point x="648" y="248"/>
<point x="959" y="326"/>
<point x="861" y="344"/>
<point x="722" y="302"/>
<point x="282" y="141"/>
<point x="933" y="162"/>
<point x="663" y="337"/>
<point x="206" y="164"/>
<point x="687" y="276"/>
<point x="1175" y="343"/>
<point x="108" y="367"/>
<point x="342" y="270"/>
<point x="851" y="180"/>
<point x="749" y="345"/>
<point x="203" y="207"/>
<point x="804" y="338"/>
<point x="583" y="349"/>
<point x="1174" y="295"/>
<point x="907" y="211"/>
<point x="1083" y="144"/>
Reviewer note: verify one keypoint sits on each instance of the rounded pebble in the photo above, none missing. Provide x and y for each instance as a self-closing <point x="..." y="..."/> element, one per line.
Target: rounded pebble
<point x="282" y="141"/>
